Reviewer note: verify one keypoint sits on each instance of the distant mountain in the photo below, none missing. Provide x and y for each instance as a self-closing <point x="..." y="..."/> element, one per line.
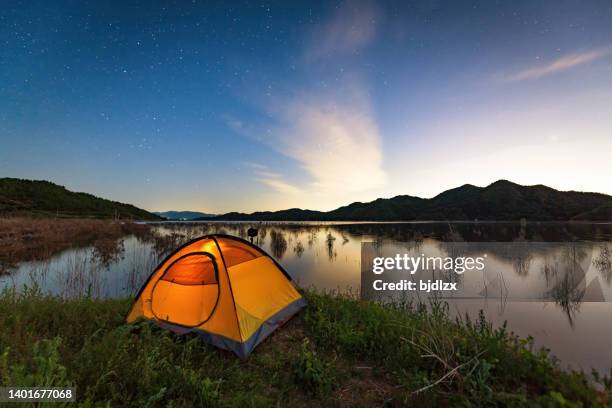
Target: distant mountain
<point x="292" y="214"/>
<point x="183" y="215"/>
<point x="501" y="201"/>
<point x="43" y="198"/>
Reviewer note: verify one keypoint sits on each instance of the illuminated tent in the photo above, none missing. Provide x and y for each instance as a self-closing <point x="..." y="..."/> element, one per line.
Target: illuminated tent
<point x="221" y="287"/>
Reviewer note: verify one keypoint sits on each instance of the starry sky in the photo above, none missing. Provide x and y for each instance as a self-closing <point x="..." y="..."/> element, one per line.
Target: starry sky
<point x="243" y="106"/>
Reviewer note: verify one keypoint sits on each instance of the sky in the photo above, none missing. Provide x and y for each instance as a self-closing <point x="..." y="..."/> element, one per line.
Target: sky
<point x="244" y="106"/>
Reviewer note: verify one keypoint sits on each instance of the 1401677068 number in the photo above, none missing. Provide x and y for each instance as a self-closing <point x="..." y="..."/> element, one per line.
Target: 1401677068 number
<point x="37" y="394"/>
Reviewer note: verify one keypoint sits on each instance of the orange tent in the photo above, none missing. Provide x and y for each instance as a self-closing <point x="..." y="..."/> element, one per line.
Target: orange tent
<point x="221" y="287"/>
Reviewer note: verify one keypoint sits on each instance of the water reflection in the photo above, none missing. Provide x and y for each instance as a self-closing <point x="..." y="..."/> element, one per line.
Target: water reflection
<point x="559" y="279"/>
<point x="560" y="266"/>
<point x="603" y="263"/>
<point x="298" y="249"/>
<point x="329" y="241"/>
<point x="278" y="244"/>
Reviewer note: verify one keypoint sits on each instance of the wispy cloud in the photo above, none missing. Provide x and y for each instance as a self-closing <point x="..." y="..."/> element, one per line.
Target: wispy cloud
<point x="279" y="185"/>
<point x="561" y="64"/>
<point x="254" y="165"/>
<point x="351" y="27"/>
<point x="334" y="138"/>
<point x="272" y="179"/>
<point x="331" y="134"/>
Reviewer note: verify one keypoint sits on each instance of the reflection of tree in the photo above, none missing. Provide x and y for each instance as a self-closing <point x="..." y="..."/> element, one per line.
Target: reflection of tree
<point x="521" y="265"/>
<point x="568" y="278"/>
<point x="573" y="254"/>
<point x="402" y="232"/>
<point x="549" y="270"/>
<point x="568" y="294"/>
<point x="329" y="242"/>
<point x="298" y="249"/>
<point x="603" y="263"/>
<point x="453" y="249"/>
<point x="522" y="256"/>
<point x="166" y="243"/>
<point x="278" y="243"/>
<point x="312" y="237"/>
<point x="378" y="243"/>
<point x="261" y="236"/>
<point x="452" y="235"/>
<point x="521" y="253"/>
<point x="108" y="251"/>
<point x="416" y="245"/>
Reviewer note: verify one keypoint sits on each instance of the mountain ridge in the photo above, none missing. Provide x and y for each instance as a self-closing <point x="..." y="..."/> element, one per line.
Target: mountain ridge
<point x="501" y="200"/>
<point x="46" y="199"/>
<point x="182" y="215"/>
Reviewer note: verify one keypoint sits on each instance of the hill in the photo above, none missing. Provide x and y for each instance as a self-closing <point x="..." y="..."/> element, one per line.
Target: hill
<point x="500" y="201"/>
<point x="182" y="215"/>
<point x="292" y="214"/>
<point x="43" y="198"/>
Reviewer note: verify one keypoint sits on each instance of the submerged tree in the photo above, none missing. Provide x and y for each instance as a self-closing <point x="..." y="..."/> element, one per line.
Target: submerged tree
<point x="298" y="249"/>
<point x="278" y="243"/>
<point x="603" y="263"/>
<point x="568" y="280"/>
<point x="329" y="241"/>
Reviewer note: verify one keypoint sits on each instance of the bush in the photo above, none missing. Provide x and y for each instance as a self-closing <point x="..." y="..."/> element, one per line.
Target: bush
<point x="310" y="373"/>
<point x="340" y="351"/>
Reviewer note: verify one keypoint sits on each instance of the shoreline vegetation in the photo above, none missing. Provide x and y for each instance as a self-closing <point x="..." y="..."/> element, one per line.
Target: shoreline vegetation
<point x="339" y="351"/>
<point x="24" y="239"/>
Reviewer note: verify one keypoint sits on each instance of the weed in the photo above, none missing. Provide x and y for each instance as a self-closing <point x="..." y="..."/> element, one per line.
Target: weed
<point x="310" y="373"/>
<point x="316" y="359"/>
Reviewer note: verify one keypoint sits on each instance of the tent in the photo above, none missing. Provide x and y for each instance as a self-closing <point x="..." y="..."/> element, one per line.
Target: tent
<point x="221" y="287"/>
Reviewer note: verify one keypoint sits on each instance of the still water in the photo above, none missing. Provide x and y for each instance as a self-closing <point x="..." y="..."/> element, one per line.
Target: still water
<point x="551" y="281"/>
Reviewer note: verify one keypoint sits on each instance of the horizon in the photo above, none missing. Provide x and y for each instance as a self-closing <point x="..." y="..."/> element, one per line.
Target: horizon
<point x="342" y="205"/>
<point x="308" y="105"/>
<point x="385" y="198"/>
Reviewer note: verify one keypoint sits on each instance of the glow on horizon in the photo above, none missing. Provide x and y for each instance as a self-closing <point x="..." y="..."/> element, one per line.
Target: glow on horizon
<point x="353" y="102"/>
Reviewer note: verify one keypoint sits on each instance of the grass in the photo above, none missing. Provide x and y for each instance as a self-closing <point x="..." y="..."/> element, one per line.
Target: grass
<point x="35" y="239"/>
<point x="338" y="352"/>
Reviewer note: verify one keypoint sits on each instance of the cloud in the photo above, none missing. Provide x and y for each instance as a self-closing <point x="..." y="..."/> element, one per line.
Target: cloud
<point x="271" y="179"/>
<point x="253" y="165"/>
<point x="333" y="137"/>
<point x="352" y="27"/>
<point x="279" y="185"/>
<point x="561" y="64"/>
<point x="331" y="133"/>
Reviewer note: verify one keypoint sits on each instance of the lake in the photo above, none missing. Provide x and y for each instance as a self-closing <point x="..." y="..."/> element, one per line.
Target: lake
<point x="551" y="281"/>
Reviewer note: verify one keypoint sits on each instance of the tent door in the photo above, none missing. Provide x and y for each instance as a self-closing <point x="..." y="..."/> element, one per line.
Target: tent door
<point x="187" y="293"/>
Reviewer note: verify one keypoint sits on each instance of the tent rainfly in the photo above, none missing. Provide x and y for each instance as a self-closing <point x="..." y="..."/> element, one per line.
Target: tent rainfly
<point x="222" y="287"/>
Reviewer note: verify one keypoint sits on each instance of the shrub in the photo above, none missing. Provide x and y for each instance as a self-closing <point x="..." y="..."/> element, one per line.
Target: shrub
<point x="310" y="373"/>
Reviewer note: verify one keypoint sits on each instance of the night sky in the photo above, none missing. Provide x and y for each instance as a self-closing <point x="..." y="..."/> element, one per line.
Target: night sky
<point x="262" y="106"/>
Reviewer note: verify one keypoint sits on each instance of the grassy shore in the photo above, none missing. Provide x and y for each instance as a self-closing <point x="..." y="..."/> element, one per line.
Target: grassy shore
<point x="338" y="352"/>
<point x="25" y="239"/>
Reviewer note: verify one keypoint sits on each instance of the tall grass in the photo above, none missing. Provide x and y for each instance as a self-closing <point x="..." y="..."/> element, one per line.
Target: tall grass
<point x="34" y="239"/>
<point x="339" y="352"/>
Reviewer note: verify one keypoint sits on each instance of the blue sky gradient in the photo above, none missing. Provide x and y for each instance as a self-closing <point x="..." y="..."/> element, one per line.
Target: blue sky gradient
<point x="262" y="106"/>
